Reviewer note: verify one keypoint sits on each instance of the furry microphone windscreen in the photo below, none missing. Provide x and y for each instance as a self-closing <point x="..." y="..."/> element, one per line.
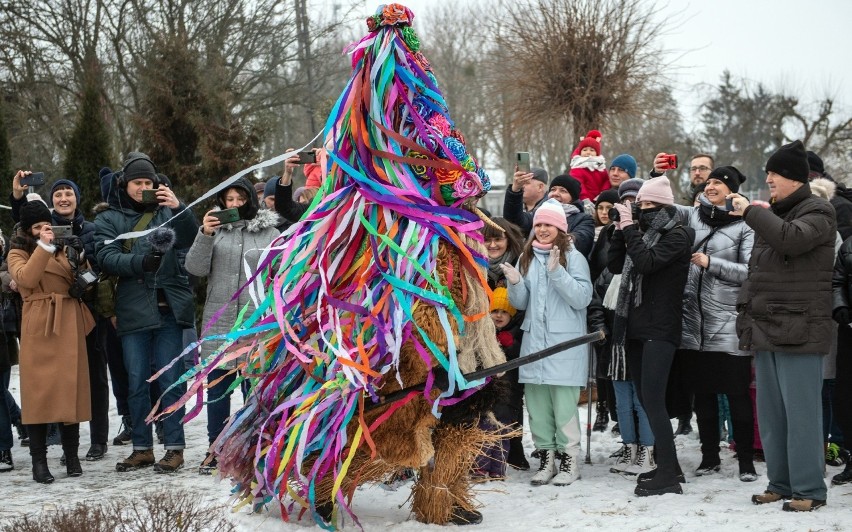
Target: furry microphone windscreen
<point x="162" y="239"/>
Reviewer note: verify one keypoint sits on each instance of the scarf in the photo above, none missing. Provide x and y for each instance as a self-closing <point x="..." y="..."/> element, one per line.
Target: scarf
<point x="570" y="209"/>
<point x="495" y="273"/>
<point x="630" y="291"/>
<point x="712" y="215"/>
<point x="596" y="162"/>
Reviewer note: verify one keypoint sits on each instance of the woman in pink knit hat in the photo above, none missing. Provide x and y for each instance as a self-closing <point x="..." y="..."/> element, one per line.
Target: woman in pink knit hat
<point x="651" y="249"/>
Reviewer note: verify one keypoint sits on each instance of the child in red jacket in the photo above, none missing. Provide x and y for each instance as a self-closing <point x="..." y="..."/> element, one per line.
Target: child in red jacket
<point x="589" y="168"/>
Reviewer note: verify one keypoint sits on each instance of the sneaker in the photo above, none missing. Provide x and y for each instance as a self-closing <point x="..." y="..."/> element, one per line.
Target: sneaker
<point x="708" y="466"/>
<point x="627" y="458"/>
<point x="96" y="452"/>
<point x="209" y="465"/>
<point x="684" y="427"/>
<point x="802" y="505"/>
<point x="6" y="463"/>
<point x="843" y="478"/>
<point x="546" y="468"/>
<point x="836" y="455"/>
<point x="137" y="460"/>
<point x="602" y="419"/>
<point x="124" y="432"/>
<point x="767" y="497"/>
<point x="170" y="462"/>
<point x="569" y="470"/>
<point x="644" y="461"/>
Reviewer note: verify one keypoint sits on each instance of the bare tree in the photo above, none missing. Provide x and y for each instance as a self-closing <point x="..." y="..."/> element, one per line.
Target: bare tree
<point x="577" y="60"/>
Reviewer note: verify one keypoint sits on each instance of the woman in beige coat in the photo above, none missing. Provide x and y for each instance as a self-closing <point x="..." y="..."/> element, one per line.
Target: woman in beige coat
<point x="53" y="362"/>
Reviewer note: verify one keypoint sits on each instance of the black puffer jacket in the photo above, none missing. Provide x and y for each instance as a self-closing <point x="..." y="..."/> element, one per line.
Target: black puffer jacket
<point x="785" y="304"/>
<point x="842" y="203"/>
<point x="841" y="282"/>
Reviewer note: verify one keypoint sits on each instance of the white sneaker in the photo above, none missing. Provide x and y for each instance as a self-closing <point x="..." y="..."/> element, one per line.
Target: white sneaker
<point x="569" y="470"/>
<point x="627" y="458"/>
<point x="644" y="461"/>
<point x="546" y="469"/>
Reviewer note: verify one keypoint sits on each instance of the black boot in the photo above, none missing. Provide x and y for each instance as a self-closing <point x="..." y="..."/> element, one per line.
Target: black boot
<point x="602" y="419"/>
<point x="41" y="473"/>
<point x="460" y="516"/>
<point x="664" y="481"/>
<point x="125" y="432"/>
<point x="72" y="462"/>
<point x="516" y="457"/>
<point x="843" y="478"/>
<point x="684" y="426"/>
<point x="645" y="477"/>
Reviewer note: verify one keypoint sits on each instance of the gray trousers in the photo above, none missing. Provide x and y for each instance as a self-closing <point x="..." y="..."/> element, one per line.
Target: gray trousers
<point x="789" y="412"/>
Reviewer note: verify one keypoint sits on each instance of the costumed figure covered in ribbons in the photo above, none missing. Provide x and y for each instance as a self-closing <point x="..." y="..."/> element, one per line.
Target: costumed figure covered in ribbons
<point x="380" y="286"/>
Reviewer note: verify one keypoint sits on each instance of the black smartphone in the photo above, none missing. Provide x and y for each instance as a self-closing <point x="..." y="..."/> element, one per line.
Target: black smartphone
<point x="307" y="157"/>
<point x="226" y="216"/>
<point x="522" y="160"/>
<point x="61" y="231"/>
<point x="729" y="204"/>
<point x="35" y="179"/>
<point x="149" y="196"/>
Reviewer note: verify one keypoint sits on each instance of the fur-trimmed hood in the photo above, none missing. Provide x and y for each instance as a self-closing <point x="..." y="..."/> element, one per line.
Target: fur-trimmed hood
<point x="824" y="188"/>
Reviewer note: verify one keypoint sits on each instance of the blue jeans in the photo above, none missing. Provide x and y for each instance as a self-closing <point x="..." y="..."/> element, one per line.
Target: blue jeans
<point x="7" y="440"/>
<point x="219" y="411"/>
<point x="141" y="350"/>
<point x="627" y="402"/>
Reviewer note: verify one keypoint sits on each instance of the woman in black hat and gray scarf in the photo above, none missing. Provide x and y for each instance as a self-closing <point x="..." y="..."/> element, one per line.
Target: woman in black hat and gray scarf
<point x="712" y="361"/>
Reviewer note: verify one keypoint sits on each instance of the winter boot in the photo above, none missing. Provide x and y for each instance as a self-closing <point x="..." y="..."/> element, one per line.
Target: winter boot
<point x="546" y="468"/>
<point x="461" y="517"/>
<point x="170" y="462"/>
<point x="209" y="465"/>
<point x="602" y="419"/>
<point x="708" y="466"/>
<point x="41" y="473"/>
<point x="661" y="483"/>
<point x="125" y="432"/>
<point x="802" y="505"/>
<point x="96" y="452"/>
<point x="6" y="463"/>
<point x="766" y="497"/>
<point x="684" y="427"/>
<point x="645" y="477"/>
<point x="72" y="464"/>
<point x="569" y="469"/>
<point x="627" y="458"/>
<point x="747" y="472"/>
<point x="644" y="461"/>
<point x="843" y="478"/>
<point x="23" y="435"/>
<point x="137" y="460"/>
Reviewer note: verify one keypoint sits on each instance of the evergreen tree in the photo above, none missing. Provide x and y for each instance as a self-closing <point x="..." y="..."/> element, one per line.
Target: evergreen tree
<point x="88" y="149"/>
<point x="5" y="154"/>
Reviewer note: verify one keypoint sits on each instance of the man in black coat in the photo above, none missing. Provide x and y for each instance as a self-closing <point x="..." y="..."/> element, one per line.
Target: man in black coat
<point x="785" y="318"/>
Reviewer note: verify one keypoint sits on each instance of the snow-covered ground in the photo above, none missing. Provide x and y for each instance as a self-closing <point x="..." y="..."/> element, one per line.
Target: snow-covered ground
<point x="600" y="500"/>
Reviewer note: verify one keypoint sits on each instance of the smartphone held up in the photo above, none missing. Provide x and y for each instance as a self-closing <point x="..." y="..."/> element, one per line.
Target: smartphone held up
<point x="35" y="179"/>
<point x="522" y="161"/>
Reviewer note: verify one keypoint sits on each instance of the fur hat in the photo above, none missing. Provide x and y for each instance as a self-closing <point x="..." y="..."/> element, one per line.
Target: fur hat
<point x="34" y="211"/>
<point x="728" y="175"/>
<point x="568" y="183"/>
<point x="790" y="161"/>
<point x="500" y="301"/>
<point x="625" y="162"/>
<point x="658" y="190"/>
<point x="629" y="188"/>
<point x="551" y="212"/>
<point x="589" y="142"/>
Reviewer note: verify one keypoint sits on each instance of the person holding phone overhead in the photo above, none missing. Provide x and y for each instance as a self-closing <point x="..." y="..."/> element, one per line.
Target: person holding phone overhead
<point x="53" y="361"/>
<point x="285" y="204"/>
<point x="218" y="254"/>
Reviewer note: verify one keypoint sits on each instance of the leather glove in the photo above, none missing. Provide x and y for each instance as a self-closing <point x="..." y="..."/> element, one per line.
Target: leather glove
<point x="841" y="316"/>
<point x="512" y="274"/>
<point x="553" y="259"/>
<point x="74" y="241"/>
<point x="626" y="215"/>
<point x="151" y="262"/>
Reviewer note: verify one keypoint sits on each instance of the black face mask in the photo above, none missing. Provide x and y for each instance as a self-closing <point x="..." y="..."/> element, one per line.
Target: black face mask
<point x="646" y="216"/>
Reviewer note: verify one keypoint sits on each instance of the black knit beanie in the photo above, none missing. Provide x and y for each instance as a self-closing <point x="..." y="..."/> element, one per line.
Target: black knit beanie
<point x="32" y="213"/>
<point x="139" y="166"/>
<point x="728" y="175"/>
<point x="609" y="195"/>
<point x="790" y="161"/>
<point x="569" y="183"/>
<point x="817" y="168"/>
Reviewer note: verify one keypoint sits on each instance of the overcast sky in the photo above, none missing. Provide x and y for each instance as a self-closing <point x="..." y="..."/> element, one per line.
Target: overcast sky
<point x="802" y="47"/>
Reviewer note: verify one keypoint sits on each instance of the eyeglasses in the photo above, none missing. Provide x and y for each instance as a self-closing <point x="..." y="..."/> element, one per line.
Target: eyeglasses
<point x="701" y="168"/>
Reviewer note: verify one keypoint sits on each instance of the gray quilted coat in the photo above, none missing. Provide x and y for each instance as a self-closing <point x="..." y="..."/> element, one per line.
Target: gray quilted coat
<point x="220" y="259"/>
<point x="710" y="296"/>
